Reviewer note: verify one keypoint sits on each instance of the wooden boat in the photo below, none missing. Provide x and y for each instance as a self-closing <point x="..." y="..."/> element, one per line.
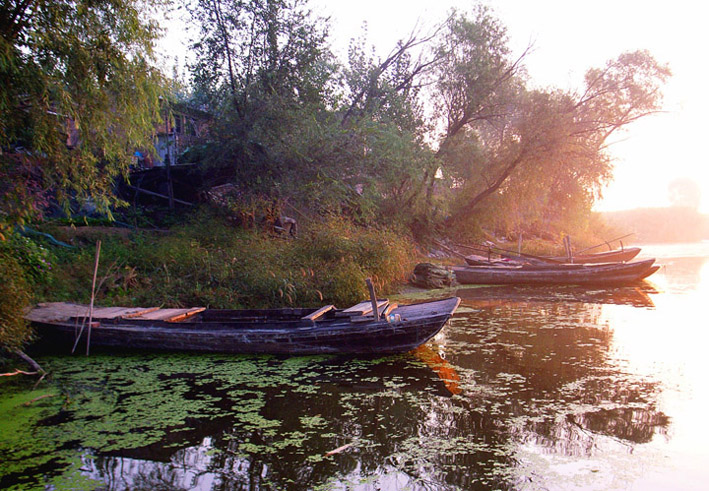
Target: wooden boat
<point x="614" y="256"/>
<point x="568" y="274"/>
<point x="292" y="331"/>
<point x="617" y="255"/>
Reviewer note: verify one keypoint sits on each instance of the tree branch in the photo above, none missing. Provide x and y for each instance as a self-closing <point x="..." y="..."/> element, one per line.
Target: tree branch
<point x="227" y="48"/>
<point x="11" y="23"/>
<point x="491" y="188"/>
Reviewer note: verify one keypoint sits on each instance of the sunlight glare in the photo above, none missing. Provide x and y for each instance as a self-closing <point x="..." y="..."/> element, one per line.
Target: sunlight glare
<point x="657" y="346"/>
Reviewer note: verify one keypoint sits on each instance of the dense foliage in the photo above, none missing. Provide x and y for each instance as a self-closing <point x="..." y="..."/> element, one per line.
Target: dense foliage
<point x="295" y="125"/>
<point x="443" y="131"/>
<point x="530" y="158"/>
<point x="14" y="298"/>
<point x="440" y="132"/>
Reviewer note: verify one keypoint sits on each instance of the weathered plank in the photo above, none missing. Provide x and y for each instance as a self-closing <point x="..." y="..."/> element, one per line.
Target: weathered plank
<point x="389" y="308"/>
<point x="169" y="315"/>
<point x="318" y="313"/>
<point x="139" y="312"/>
<point x="364" y="308"/>
<point x="186" y="315"/>
<point x="50" y="311"/>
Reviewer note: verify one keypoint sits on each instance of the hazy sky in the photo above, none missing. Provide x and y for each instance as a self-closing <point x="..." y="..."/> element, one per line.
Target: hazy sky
<point x="568" y="37"/>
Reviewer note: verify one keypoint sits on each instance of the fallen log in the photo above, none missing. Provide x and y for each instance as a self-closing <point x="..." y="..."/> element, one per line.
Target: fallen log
<point x="427" y="275"/>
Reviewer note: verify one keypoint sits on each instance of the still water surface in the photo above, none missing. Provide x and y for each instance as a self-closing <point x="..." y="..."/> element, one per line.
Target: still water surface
<point x="526" y="388"/>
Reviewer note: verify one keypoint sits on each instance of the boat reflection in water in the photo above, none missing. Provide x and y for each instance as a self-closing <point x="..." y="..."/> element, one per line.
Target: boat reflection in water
<point x="445" y="371"/>
<point x="525" y="388"/>
<point x="638" y="296"/>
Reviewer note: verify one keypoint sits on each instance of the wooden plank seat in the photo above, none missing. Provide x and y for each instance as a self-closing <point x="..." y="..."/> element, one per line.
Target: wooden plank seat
<point x="318" y="313"/>
<point x="363" y="308"/>
<point x="169" y="315"/>
<point x="383" y="307"/>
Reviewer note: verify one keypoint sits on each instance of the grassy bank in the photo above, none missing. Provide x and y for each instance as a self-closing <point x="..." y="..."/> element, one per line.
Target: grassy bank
<point x="203" y="261"/>
<point x="207" y="262"/>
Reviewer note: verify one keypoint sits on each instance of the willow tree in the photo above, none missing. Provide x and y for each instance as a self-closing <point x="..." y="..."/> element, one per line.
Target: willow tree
<point x="548" y="150"/>
<point x="78" y="96"/>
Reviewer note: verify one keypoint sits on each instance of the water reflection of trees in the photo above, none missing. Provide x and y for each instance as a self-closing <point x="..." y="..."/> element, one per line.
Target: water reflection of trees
<point x="398" y="414"/>
<point x="550" y="363"/>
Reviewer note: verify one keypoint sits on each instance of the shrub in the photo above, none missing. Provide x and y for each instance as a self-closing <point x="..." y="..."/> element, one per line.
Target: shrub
<point x="34" y="259"/>
<point x="14" y="298"/>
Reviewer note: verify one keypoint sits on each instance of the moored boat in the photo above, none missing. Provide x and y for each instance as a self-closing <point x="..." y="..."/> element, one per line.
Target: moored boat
<point x="617" y="255"/>
<point x="291" y="331"/>
<point x="569" y="274"/>
<point x="614" y="256"/>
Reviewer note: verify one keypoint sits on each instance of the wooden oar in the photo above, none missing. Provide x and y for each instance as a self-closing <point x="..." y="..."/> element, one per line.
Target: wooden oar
<point x="498" y="250"/>
<point x="605" y="243"/>
<point x="448" y="249"/>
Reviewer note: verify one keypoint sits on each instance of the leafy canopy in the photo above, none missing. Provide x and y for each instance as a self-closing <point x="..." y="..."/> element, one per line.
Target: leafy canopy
<point x="78" y="95"/>
<point x="542" y="155"/>
<point x="357" y="137"/>
<point x="296" y="125"/>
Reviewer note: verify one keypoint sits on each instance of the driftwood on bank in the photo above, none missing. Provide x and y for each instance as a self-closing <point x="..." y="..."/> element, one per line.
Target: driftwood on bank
<point x="427" y="275"/>
<point x="38" y="370"/>
<point x="17" y="372"/>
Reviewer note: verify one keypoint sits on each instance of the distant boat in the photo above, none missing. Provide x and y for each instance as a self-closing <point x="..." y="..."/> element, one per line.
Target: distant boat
<point x="291" y="331"/>
<point x="614" y="256"/>
<point x="567" y="274"/>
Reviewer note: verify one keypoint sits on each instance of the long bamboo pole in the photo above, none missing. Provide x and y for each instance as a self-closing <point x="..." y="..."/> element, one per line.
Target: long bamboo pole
<point x="448" y="249"/>
<point x="93" y="296"/>
<point x="506" y="253"/>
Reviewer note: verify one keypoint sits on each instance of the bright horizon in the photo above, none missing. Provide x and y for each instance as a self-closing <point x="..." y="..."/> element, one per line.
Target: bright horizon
<point x="568" y="39"/>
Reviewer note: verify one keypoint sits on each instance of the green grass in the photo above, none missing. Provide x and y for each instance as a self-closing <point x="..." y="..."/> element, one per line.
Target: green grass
<point x="209" y="263"/>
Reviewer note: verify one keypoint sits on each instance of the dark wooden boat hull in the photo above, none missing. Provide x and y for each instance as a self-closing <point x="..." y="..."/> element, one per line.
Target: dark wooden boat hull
<point x="567" y="274"/>
<point x="232" y="332"/>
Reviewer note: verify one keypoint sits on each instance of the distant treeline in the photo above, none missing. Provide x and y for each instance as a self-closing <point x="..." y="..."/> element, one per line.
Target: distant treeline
<point x="673" y="224"/>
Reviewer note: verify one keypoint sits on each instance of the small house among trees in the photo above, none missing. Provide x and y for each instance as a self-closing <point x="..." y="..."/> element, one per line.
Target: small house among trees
<point x="181" y="127"/>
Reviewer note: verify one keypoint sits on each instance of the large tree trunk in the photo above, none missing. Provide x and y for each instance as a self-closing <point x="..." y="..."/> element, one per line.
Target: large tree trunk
<point x="494" y="186"/>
